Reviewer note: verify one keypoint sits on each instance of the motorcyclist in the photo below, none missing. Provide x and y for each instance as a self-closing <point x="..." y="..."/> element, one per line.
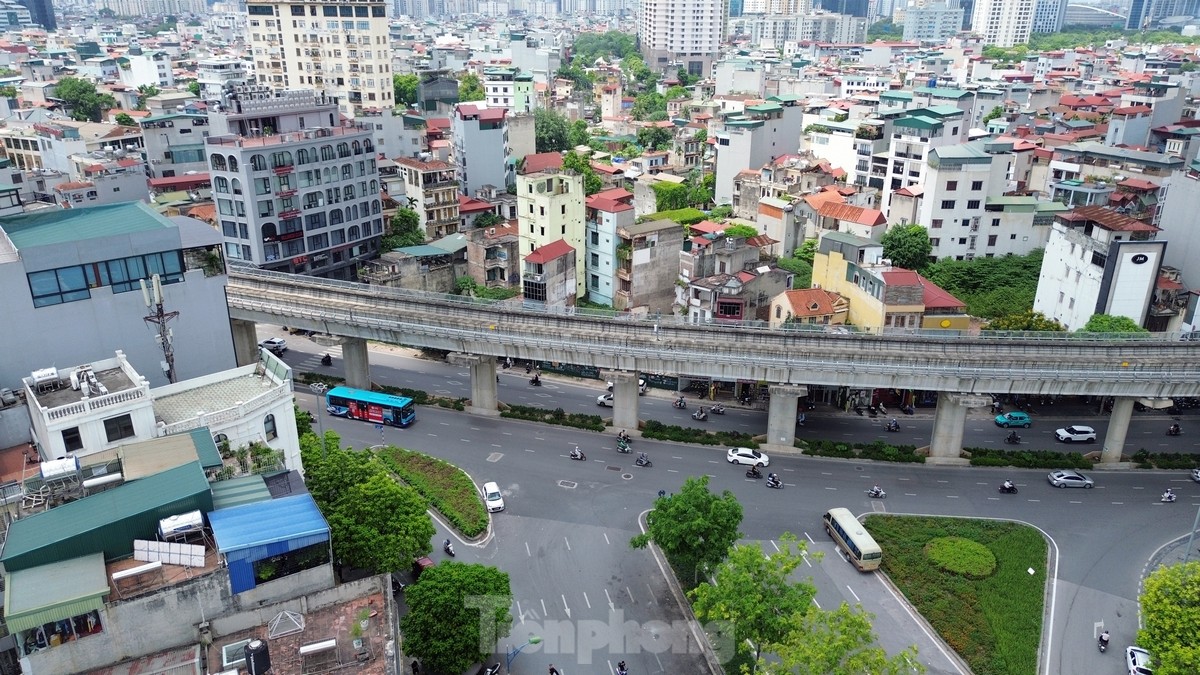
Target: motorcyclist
<point x="893" y="424"/>
<point x="1104" y="638"/>
<point x="537" y="378"/>
<point x="1169" y="494"/>
<point x="700" y="414"/>
<point x="755" y="472"/>
<point x="1008" y="485"/>
<point x="621" y="669"/>
<point x="1013" y="437"/>
<point x="876" y="490"/>
<point x="1174" y="430"/>
<point x="772" y="478"/>
<point x="623" y="436"/>
<point x="679" y="401"/>
<point x="642" y="457"/>
<point x="575" y="453"/>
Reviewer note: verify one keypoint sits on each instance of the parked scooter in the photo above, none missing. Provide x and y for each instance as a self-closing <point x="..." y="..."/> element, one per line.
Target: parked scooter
<point x="876" y="493"/>
<point x="578" y="454"/>
<point x="717" y="409"/>
<point x="327" y="360"/>
<point x="908" y="409"/>
<point x="858" y="410"/>
<point x="448" y="548"/>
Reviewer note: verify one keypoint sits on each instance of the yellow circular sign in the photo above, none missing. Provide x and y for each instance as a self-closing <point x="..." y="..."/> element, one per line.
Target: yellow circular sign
<point x="945" y="323"/>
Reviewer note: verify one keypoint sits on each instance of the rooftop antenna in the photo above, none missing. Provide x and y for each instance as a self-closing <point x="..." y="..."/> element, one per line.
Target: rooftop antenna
<point x="160" y="317"/>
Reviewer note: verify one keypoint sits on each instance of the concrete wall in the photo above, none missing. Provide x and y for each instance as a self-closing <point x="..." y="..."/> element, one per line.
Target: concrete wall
<point x="168" y="619"/>
<point x="14" y="426"/>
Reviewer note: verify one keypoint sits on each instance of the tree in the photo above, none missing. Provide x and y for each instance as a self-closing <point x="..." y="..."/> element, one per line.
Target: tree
<point x="1026" y="321"/>
<point x="549" y="131"/>
<point x="489" y="219"/>
<point x="405" y="88"/>
<point x="884" y="30"/>
<point x="991" y="287"/>
<point x="588" y="47"/>
<point x="582" y="79"/>
<point x="405" y="230"/>
<point x="993" y="114"/>
<point x="330" y="472"/>
<point x="675" y="92"/>
<point x="578" y="134"/>
<point x="807" y="251"/>
<point x="470" y="88"/>
<point x="740" y="231"/>
<point x="694" y="528"/>
<point x="8" y="91"/>
<point x="456" y="613"/>
<point x="801" y="271"/>
<point x="581" y="165"/>
<point x="907" y="246"/>
<point x="380" y="525"/>
<point x="125" y="120"/>
<point x="1171" y="618"/>
<point x="194" y="88"/>
<point x="145" y="91"/>
<point x="1108" y="323"/>
<point x="836" y="642"/>
<point x="80" y="96"/>
<point x="648" y="103"/>
<point x="753" y="592"/>
<point x="654" y="137"/>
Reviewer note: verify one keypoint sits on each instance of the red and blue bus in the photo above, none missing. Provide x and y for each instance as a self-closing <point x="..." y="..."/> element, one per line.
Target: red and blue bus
<point x="370" y="406"/>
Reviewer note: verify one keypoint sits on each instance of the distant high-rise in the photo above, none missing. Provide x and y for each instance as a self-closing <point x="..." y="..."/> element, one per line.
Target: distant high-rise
<point x="850" y="7"/>
<point x="1048" y="16"/>
<point x="42" y="13"/>
<point x="681" y="35"/>
<point x="1003" y="23"/>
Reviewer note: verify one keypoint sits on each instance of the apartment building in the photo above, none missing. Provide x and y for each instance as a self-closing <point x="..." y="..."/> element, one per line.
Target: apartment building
<point x="676" y="35"/>
<point x="913" y="137"/>
<point x="550" y="207"/>
<point x="152" y="68"/>
<point x="1048" y="15"/>
<point x="480" y="147"/>
<point x="647" y="275"/>
<point x="507" y="87"/>
<point x="754" y="137"/>
<point x="849" y="145"/>
<point x="549" y="275"/>
<point x="933" y="22"/>
<point x="1179" y="202"/>
<point x="1151" y="104"/>
<point x="609" y="261"/>
<point x="174" y="144"/>
<point x="338" y="50"/>
<point x="273" y="153"/>
<point x="1003" y="23"/>
<point x="431" y="189"/>
<point x="213" y="75"/>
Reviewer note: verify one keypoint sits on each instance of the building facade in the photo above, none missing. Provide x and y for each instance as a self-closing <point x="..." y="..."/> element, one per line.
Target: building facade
<point x="550" y="207"/>
<point x="609" y="262"/>
<point x="481" y="151"/>
<point x="687" y="35"/>
<point x="933" y="22"/>
<point x="1003" y="23"/>
<point x="174" y="144"/>
<point x="431" y="189"/>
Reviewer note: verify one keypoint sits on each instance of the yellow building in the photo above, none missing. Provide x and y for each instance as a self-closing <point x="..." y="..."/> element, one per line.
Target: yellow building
<point x="882" y="296"/>
<point x="550" y="206"/>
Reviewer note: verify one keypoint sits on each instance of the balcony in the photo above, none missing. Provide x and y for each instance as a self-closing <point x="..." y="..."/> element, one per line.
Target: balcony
<point x="625" y="273"/>
<point x="534" y="278"/>
<point x="492" y="262"/>
<point x="290" y="213"/>
<point x="444" y="183"/>
<point x="283" y="170"/>
<point x="282" y="194"/>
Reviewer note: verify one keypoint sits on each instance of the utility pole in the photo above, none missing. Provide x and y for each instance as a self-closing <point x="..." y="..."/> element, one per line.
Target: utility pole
<point x="159" y="318"/>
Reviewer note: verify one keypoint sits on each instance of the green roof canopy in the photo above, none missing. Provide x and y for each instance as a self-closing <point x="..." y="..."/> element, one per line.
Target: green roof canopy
<point x="54" y="592"/>
<point x="238" y="491"/>
<point x="48" y="227"/>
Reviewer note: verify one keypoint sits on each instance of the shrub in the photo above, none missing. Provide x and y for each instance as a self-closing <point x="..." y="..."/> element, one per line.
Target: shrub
<point x="447" y="488"/>
<point x="875" y="450"/>
<point x="657" y="430"/>
<point x="312" y="378"/>
<point x="960" y="556"/>
<point x="423" y="398"/>
<point x="557" y="416"/>
<point x="1028" y="459"/>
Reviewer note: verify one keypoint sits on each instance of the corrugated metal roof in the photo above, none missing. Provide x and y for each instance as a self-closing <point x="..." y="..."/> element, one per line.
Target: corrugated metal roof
<point x="262" y="523"/>
<point x="54" y="592"/>
<point x="108" y="521"/>
<point x="239" y="491"/>
<point x="47" y="227"/>
<point x="147" y="458"/>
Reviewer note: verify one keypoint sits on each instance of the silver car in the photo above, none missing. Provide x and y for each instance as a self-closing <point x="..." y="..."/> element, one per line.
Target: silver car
<point x="1065" y="478"/>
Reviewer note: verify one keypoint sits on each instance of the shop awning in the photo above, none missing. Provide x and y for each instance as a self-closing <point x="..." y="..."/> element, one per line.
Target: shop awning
<point x="54" y="592"/>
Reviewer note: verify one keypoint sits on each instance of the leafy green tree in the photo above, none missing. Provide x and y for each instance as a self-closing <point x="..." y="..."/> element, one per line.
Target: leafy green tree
<point x="991" y="287"/>
<point x="1108" y="323"/>
<point x="647" y="104"/>
<point x="582" y="79"/>
<point x="754" y="593"/>
<point x="405" y="88"/>
<point x="588" y="47"/>
<point x="194" y="88"/>
<point x="719" y="213"/>
<point x="740" y="231"/>
<point x="549" y="131"/>
<point x="80" y="96"/>
<point x="380" y="525"/>
<point x="694" y="529"/>
<point x="995" y="112"/>
<point x="8" y="91"/>
<point x="489" y="219"/>
<point x="470" y="88"/>
<point x="125" y="120"/>
<point x="836" y="642"/>
<point x="884" y="30"/>
<point x="1028" y="320"/>
<point x="907" y="246"/>
<point x="592" y="183"/>
<point x="330" y="471"/>
<point x="654" y="138"/>
<point x="456" y="613"/>
<point x="145" y="91"/>
<point x="1171" y="618"/>
<point x="405" y="230"/>
<point x="578" y="134"/>
<point x="677" y="91"/>
<point x="807" y="251"/>
<point x="802" y="271"/>
<point x="635" y="70"/>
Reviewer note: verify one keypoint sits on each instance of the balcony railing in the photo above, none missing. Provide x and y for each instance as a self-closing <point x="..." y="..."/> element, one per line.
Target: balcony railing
<point x="286" y="193"/>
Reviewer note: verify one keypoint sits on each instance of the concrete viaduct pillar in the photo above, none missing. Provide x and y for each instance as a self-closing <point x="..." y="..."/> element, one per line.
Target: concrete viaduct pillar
<point x="483" y="382"/>
<point x="1118" y="427"/>
<point x="948" y="424"/>
<point x="245" y="341"/>
<point x="356" y="363"/>
<point x="625" y="401"/>
<point x="781" y="416"/>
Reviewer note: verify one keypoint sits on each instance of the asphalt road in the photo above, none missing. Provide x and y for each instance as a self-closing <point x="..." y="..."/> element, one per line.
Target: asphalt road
<point x="564" y="538"/>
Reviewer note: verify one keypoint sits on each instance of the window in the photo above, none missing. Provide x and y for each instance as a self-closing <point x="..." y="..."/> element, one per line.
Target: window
<point x="116" y="428"/>
<point x="935" y="241"/>
<point x="947" y="203"/>
<point x="991" y="240"/>
<point x="936" y="223"/>
<point x="951" y="185"/>
<point x="269" y="428"/>
<point x="995" y="222"/>
<point x="595" y="260"/>
<point x="976" y="185"/>
<point x="595" y="238"/>
<point x="72" y="440"/>
<point x="973" y="204"/>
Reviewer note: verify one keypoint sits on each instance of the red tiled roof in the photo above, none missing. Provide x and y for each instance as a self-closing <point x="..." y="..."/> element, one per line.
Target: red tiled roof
<point x="1138" y="184"/>
<point x="824" y="197"/>
<point x="540" y="161"/>
<point x="205" y="212"/>
<point x="856" y="214"/>
<point x="618" y="194"/>
<point x="708" y="227"/>
<point x="551" y="251"/>
<point x="746" y="277"/>
<point x="431" y="165"/>
<point x="937" y="297"/>
<point x="75" y="185"/>
<point x="811" y="301"/>
<point x="1169" y="284"/>
<point x="1108" y="219"/>
<point x="607" y="205"/>
<point x="469" y="205"/>
<point x="1132" y="110"/>
<point x="182" y="182"/>
<point x="607" y="168"/>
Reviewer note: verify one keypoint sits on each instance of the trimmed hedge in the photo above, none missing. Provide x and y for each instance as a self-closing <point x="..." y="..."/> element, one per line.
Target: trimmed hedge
<point x="657" y="430"/>
<point x="1028" y="459"/>
<point x="447" y="488"/>
<point x="557" y="416"/>
<point x="310" y="378"/>
<point x="1165" y="460"/>
<point x="876" y="450"/>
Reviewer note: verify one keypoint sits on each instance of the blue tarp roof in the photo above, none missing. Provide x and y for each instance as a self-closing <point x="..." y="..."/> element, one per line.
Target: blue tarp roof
<point x="260" y="524"/>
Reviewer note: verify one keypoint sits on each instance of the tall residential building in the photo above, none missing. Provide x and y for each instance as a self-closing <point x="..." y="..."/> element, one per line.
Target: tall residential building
<point x="550" y="206"/>
<point x="933" y="22"/>
<point x="1048" y="15"/>
<point x="761" y="133"/>
<point x="215" y="74"/>
<point x="479" y="137"/>
<point x="508" y="87"/>
<point x="913" y="136"/>
<point x="1003" y="23"/>
<point x="340" y="51"/>
<point x="431" y="189"/>
<point x="272" y="154"/>
<point x="609" y="265"/>
<point x="681" y="35"/>
<point x="42" y="13"/>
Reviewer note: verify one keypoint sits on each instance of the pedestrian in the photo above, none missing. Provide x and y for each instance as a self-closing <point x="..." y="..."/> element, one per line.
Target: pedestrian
<point x="416" y="667"/>
<point x="553" y="670"/>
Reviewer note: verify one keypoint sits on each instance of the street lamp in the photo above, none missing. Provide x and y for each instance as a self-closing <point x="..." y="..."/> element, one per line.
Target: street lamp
<point x="512" y="653"/>
<point x="319" y="388"/>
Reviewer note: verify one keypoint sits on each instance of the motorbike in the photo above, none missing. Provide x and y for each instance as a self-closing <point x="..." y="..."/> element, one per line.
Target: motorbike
<point x="876" y="493"/>
<point x="528" y="368"/>
<point x="1168" y="497"/>
<point x="717" y="409"/>
<point x="680" y="403"/>
<point x="1012" y="439"/>
<point x="753" y="472"/>
<point x="880" y="409"/>
<point x="493" y="669"/>
<point x="621" y="669"/>
<point x="1102" y="642"/>
<point x="700" y="415"/>
<point x="858" y="410"/>
<point x="1008" y="490"/>
<point x="624" y="437"/>
<point x="623" y="446"/>
<point x="643" y="460"/>
<point x="775" y="483"/>
<point x="536" y="381"/>
<point x="1174" y="431"/>
<point x="578" y="454"/>
<point x="448" y="548"/>
<point x="327" y="360"/>
<point x="893" y="426"/>
<point x="872" y="413"/>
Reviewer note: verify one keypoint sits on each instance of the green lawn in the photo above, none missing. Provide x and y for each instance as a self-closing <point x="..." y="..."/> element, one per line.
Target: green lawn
<point x="994" y="623"/>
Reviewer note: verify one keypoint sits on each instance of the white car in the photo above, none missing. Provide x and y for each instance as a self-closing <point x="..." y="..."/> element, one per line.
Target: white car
<point x="1076" y="434"/>
<point x="492" y="499"/>
<point x="1196" y="475"/>
<point x="1137" y="661"/>
<point x="746" y="456"/>
<point x="642" y="388"/>
<point x="276" y="345"/>
<point x="605" y="400"/>
<point x="1065" y="478"/>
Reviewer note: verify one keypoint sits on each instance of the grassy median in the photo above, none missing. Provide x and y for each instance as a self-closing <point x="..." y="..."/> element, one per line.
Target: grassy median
<point x="988" y="608"/>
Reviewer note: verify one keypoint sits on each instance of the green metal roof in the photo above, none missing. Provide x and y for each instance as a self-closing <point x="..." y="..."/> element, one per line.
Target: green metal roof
<point x="61" y="590"/>
<point x="764" y="107"/>
<point x="49" y="227"/>
<point x="918" y="122"/>
<point x="942" y="93"/>
<point x="206" y="448"/>
<point x="421" y="250"/>
<point x="897" y="94"/>
<point x="238" y="491"/>
<point x="106" y="522"/>
<point x="944" y="110"/>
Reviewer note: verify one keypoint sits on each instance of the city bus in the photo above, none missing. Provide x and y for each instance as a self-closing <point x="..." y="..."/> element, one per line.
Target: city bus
<point x="370" y="406"/>
<point x="853" y="538"/>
